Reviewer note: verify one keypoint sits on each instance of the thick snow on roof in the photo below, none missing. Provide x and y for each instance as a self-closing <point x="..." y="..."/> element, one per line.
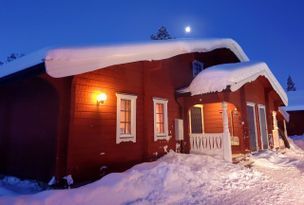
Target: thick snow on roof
<point x="64" y="62"/>
<point x="296" y="100"/>
<point x="72" y="61"/>
<point x="234" y="75"/>
<point x="24" y="62"/>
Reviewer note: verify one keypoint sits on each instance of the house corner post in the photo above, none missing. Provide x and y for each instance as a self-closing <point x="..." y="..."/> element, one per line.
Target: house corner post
<point x="226" y="134"/>
<point x="275" y="131"/>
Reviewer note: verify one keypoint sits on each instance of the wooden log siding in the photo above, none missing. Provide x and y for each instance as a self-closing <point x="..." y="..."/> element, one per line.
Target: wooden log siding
<point x="93" y="128"/>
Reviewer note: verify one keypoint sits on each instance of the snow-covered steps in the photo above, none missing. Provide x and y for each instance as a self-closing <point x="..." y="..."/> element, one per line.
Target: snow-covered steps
<point x="242" y="159"/>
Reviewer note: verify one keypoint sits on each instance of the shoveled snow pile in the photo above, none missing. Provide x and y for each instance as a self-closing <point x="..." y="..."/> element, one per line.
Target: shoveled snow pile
<point x="189" y="179"/>
<point x="233" y="75"/>
<point x="10" y="185"/>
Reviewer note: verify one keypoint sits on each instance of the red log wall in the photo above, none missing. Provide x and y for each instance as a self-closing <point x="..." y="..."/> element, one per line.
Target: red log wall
<point x="92" y="139"/>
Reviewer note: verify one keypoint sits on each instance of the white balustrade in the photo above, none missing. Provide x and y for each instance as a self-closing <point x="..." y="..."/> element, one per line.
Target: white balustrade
<point x="207" y="143"/>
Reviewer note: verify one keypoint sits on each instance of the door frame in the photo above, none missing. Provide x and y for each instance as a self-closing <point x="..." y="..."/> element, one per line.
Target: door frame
<point x="261" y="106"/>
<point x="251" y="104"/>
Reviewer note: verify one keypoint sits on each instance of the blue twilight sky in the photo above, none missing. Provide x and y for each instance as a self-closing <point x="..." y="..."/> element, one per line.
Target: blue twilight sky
<point x="268" y="30"/>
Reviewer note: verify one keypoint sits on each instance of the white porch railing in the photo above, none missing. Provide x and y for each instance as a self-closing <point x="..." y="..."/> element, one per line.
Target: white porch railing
<point x="214" y="143"/>
<point x="207" y="143"/>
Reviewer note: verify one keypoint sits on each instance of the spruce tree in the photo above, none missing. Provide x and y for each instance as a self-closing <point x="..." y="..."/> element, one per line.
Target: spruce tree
<point x="161" y="34"/>
<point x="290" y="84"/>
<point x="14" y="56"/>
<point x="11" y="57"/>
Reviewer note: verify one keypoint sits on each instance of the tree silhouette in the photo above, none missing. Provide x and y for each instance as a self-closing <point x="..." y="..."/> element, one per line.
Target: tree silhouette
<point x="14" y="56"/>
<point x="161" y="34"/>
<point x="290" y="84"/>
<point x="11" y="57"/>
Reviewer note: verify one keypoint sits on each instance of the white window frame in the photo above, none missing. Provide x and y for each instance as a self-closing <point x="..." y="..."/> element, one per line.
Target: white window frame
<point x="165" y="135"/>
<point x="126" y="137"/>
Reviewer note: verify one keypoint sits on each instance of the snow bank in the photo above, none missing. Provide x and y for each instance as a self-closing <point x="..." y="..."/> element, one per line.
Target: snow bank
<point x="234" y="75"/>
<point x="64" y="62"/>
<point x="273" y="160"/>
<point x="10" y="185"/>
<point x="189" y="179"/>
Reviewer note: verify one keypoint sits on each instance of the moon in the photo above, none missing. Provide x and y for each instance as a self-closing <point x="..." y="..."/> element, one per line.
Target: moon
<point x="188" y="29"/>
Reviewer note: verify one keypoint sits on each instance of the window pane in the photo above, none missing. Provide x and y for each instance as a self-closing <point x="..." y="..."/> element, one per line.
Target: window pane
<point x="122" y="104"/>
<point x="128" y="128"/>
<point x="160" y="118"/>
<point x="159" y="108"/>
<point x="122" y="128"/>
<point x="125" y="105"/>
<point x="122" y="116"/>
<point x="128" y="116"/>
<point x="161" y="128"/>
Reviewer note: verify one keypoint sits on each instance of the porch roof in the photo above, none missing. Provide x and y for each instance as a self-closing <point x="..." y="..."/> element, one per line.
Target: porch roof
<point x="233" y="75"/>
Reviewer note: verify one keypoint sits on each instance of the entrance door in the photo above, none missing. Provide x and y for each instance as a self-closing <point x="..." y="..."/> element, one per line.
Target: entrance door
<point x="196" y="120"/>
<point x="252" y="126"/>
<point x="263" y="126"/>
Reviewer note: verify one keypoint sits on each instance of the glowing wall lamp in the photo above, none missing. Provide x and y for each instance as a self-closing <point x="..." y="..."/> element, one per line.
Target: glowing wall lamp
<point x="101" y="98"/>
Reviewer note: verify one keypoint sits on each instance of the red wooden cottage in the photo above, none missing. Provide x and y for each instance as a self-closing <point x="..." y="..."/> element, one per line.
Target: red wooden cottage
<point x="75" y="110"/>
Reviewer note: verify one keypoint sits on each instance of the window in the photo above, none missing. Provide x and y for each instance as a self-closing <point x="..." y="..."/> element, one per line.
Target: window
<point x="160" y="119"/>
<point x="197" y="67"/>
<point x="126" y="118"/>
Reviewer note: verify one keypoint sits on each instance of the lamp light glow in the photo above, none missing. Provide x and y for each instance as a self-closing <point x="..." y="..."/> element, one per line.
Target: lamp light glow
<point x="101" y="98"/>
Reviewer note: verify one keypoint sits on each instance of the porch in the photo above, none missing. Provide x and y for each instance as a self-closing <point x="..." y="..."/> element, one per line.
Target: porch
<point x="214" y="129"/>
<point x="232" y="109"/>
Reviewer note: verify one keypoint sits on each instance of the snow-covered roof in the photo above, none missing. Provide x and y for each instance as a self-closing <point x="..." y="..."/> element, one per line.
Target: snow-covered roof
<point x="23" y="62"/>
<point x="235" y="75"/>
<point x="64" y="62"/>
<point x="296" y="100"/>
<point x="284" y="113"/>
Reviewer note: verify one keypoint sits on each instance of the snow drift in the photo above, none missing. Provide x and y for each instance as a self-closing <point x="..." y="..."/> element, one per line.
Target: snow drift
<point x="189" y="179"/>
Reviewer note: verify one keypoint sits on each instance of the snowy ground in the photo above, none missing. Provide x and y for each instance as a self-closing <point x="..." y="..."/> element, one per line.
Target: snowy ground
<point x="275" y="178"/>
